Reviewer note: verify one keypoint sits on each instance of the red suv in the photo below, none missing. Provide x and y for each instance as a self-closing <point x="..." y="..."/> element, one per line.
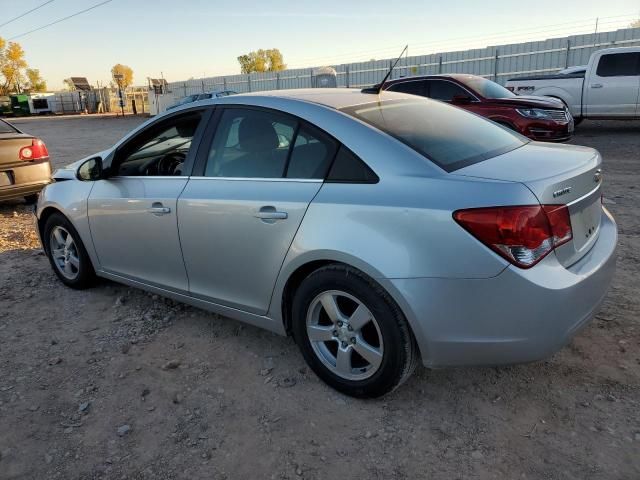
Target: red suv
<point x="539" y="118"/>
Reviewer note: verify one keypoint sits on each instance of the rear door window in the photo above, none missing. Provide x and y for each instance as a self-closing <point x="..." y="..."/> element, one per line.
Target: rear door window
<point x="256" y="143"/>
<point x="619" y="65"/>
<point x="414" y="87"/>
<point x="444" y="90"/>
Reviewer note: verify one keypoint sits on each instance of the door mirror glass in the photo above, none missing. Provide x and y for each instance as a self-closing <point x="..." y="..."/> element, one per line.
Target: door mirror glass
<point x="90" y="170"/>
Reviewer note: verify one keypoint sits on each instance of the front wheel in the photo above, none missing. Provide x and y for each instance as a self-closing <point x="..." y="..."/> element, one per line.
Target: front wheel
<point x="351" y="333"/>
<point x="67" y="255"/>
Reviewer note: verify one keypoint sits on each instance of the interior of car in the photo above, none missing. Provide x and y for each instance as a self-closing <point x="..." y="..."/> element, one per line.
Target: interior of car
<point x="161" y="151"/>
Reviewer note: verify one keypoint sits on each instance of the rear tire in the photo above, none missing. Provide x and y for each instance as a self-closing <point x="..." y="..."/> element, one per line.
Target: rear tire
<point x="351" y="332"/>
<point x="66" y="253"/>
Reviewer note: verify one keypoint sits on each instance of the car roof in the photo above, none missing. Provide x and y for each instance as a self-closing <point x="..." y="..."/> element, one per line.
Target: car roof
<point x="455" y="76"/>
<point x="330" y="97"/>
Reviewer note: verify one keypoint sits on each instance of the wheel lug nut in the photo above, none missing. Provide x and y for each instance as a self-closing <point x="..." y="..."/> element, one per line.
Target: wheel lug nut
<point x="335" y="333"/>
<point x="344" y="344"/>
<point x="339" y="323"/>
<point x="350" y="328"/>
<point x="353" y="340"/>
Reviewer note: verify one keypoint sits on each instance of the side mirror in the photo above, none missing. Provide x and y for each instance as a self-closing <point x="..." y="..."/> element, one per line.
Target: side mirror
<point x="461" y="99"/>
<point x="90" y="170"/>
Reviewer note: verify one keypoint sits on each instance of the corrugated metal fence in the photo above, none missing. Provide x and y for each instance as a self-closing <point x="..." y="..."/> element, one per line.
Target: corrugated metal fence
<point x="498" y="63"/>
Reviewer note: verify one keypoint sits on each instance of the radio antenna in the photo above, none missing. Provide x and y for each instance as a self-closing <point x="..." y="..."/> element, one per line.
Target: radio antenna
<point x="376" y="88"/>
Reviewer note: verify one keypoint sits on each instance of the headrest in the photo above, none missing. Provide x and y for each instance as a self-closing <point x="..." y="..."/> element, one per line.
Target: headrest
<point x="257" y="135"/>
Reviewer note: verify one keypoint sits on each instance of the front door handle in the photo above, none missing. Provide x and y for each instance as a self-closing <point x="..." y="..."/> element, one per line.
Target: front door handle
<point x="158" y="209"/>
<point x="596" y="85"/>
<point x="270" y="213"/>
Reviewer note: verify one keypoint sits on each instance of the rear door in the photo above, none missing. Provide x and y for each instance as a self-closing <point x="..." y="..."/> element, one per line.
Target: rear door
<point x="132" y="214"/>
<point x="256" y="174"/>
<point x="613" y="86"/>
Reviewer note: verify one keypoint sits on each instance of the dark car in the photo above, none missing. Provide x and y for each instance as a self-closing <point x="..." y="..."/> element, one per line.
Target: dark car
<point x="539" y="118"/>
<point x="24" y="164"/>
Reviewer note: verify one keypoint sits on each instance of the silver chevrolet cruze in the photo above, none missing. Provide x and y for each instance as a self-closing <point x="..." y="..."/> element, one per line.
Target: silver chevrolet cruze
<point x="379" y="230"/>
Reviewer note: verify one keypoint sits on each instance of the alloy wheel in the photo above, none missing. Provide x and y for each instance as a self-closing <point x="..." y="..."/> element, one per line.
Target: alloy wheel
<point x="64" y="252"/>
<point x="344" y="335"/>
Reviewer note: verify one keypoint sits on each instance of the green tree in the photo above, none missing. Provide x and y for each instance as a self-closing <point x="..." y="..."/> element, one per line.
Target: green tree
<point x="124" y="70"/>
<point x="36" y="82"/>
<point x="269" y="60"/>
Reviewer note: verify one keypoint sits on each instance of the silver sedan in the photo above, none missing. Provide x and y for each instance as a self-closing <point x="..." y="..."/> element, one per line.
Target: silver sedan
<point x="379" y="230"/>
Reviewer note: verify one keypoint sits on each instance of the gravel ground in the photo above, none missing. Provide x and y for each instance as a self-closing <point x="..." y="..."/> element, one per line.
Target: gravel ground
<point x="115" y="383"/>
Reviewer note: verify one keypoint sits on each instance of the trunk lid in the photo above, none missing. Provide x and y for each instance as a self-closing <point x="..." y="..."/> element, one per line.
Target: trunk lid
<point x="10" y="145"/>
<point x="557" y="175"/>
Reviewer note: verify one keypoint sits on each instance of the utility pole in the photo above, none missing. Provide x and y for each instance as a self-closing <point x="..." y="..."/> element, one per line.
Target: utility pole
<point x="118" y="77"/>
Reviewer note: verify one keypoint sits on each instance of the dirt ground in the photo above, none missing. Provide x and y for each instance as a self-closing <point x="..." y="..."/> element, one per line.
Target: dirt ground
<point x="115" y="383"/>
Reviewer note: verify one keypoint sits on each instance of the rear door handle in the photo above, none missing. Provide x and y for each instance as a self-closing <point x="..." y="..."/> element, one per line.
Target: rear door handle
<point x="158" y="209"/>
<point x="270" y="213"/>
<point x="596" y="85"/>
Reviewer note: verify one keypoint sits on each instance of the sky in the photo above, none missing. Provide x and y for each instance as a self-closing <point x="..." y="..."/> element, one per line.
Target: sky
<point x="182" y="39"/>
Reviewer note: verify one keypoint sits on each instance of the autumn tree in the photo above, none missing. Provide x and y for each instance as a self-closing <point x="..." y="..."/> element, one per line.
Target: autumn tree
<point x="12" y="66"/>
<point x="125" y="71"/>
<point x="36" y="82"/>
<point x="262" y="61"/>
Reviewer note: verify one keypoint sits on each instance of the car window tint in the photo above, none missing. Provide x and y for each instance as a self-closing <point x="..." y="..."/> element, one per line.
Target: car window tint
<point x="347" y="167"/>
<point x="619" y="65"/>
<point x="434" y="130"/>
<point x="159" y="150"/>
<point x="311" y="154"/>
<point x="250" y="143"/>
<point x="444" y="90"/>
<point x="412" y="87"/>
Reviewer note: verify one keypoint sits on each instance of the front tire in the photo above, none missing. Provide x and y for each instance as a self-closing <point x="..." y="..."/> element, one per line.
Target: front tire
<point x="66" y="253"/>
<point x="351" y="332"/>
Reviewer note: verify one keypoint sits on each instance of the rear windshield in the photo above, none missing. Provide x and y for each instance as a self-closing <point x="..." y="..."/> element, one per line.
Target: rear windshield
<point x="446" y="135"/>
<point x="6" y="128"/>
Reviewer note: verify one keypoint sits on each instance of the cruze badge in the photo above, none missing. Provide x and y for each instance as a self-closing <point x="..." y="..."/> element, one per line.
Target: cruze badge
<point x="597" y="176"/>
<point x="562" y="191"/>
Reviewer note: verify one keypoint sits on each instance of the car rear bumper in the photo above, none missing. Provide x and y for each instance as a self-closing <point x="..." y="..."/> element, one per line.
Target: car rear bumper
<point x="517" y="316"/>
<point x="25" y="179"/>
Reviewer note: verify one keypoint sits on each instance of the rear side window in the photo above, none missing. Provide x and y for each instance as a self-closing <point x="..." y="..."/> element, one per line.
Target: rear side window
<point x="450" y="137"/>
<point x="413" y="88"/>
<point x="619" y="65"/>
<point x="347" y="168"/>
<point x="444" y="90"/>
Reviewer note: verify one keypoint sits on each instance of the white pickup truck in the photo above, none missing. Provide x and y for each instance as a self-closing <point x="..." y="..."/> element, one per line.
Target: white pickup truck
<point x="607" y="89"/>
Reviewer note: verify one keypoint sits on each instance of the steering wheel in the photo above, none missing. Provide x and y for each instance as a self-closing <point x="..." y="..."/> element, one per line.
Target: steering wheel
<point x="171" y="164"/>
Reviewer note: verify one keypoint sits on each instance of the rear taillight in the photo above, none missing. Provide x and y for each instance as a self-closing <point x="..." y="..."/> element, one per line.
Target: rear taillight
<point x="36" y="151"/>
<point x="523" y="235"/>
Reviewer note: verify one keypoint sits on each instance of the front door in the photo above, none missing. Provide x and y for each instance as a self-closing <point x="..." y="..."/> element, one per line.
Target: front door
<point x="612" y="91"/>
<point x="237" y="219"/>
<point x="132" y="214"/>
